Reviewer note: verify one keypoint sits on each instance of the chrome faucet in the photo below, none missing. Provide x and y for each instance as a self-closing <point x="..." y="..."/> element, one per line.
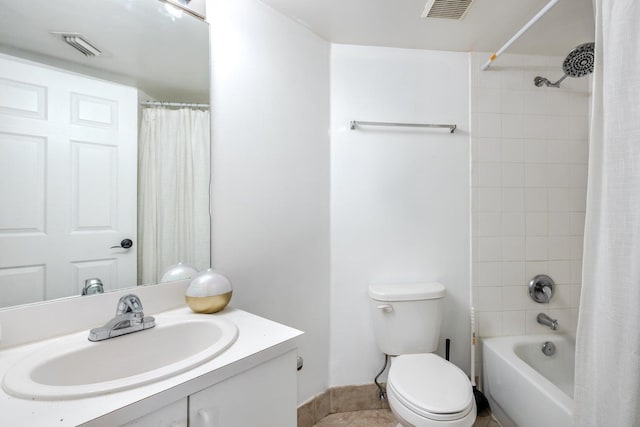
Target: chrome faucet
<point x="93" y="286"/>
<point x="543" y="319"/>
<point x="129" y="318"/>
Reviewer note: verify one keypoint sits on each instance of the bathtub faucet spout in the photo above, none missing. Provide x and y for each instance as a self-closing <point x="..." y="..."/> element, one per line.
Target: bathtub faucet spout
<point x="543" y="319"/>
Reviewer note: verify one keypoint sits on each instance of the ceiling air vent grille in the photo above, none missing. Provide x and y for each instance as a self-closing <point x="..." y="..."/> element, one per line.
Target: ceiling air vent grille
<point x="80" y="42"/>
<point x="447" y="9"/>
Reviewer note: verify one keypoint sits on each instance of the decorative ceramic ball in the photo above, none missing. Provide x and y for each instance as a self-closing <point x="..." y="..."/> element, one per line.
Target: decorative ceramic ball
<point x="208" y="292"/>
<point x="178" y="271"/>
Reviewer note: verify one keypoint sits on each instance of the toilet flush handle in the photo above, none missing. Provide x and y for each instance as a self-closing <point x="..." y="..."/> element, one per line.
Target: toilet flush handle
<point x="387" y="308"/>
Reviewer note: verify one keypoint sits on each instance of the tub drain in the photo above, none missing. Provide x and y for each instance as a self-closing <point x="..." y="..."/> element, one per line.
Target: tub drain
<point x="548" y="348"/>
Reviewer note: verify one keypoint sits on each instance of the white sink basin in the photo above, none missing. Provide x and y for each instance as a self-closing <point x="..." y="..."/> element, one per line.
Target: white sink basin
<point x="74" y="367"/>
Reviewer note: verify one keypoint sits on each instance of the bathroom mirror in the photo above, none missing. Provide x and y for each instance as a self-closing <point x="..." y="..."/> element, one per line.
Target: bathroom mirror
<point x="51" y="53"/>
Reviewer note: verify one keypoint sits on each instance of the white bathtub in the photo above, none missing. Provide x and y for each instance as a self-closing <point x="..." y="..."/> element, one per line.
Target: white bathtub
<point x="526" y="388"/>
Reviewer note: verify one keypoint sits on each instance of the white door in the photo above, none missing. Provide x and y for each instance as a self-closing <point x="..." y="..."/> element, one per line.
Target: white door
<point x="68" y="156"/>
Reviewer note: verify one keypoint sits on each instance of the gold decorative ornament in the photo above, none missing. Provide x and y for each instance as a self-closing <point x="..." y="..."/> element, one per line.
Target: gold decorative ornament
<point x="208" y="292"/>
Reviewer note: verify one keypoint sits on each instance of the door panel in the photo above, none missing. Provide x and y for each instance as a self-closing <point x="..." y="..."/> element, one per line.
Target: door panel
<point x="68" y="167"/>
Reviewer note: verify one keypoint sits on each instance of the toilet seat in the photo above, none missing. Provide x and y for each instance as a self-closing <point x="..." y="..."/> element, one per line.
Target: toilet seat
<point x="430" y="386"/>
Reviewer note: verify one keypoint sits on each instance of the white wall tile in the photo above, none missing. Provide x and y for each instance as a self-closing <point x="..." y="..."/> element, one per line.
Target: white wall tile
<point x="535" y="102"/>
<point x="536" y="224"/>
<point x="533" y="268"/>
<point x="513" y="174"/>
<point x="513" y="199"/>
<point x="490" y="323"/>
<point x="557" y="103"/>
<point x="560" y="271"/>
<point x="513" y="224"/>
<point x="561" y="297"/>
<point x="557" y="128"/>
<point x="577" y="175"/>
<point x="536" y="200"/>
<point x="536" y="248"/>
<point x="513" y="297"/>
<point x="489" y="149"/>
<point x="512" y="125"/>
<point x="513" y="151"/>
<point x="557" y="175"/>
<point x="538" y="140"/>
<point x="534" y="127"/>
<point x="513" y="248"/>
<point x="489" y="79"/>
<point x="489" y="174"/>
<point x="512" y="101"/>
<point x="513" y="323"/>
<point x="559" y="248"/>
<point x="576" y="247"/>
<point x="513" y="273"/>
<point x="577" y="199"/>
<point x="536" y="175"/>
<point x="490" y="298"/>
<point x="558" y="152"/>
<point x="578" y="128"/>
<point x="488" y="101"/>
<point x="489" y="249"/>
<point x="489" y="224"/>
<point x="577" y="223"/>
<point x="489" y="200"/>
<point x="559" y="224"/>
<point x="535" y="150"/>
<point x="511" y="80"/>
<point x="558" y="199"/>
<point x="489" y="125"/>
<point x="488" y="273"/>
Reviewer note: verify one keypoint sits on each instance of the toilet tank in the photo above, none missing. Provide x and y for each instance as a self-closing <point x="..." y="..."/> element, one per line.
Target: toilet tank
<point x="407" y="316"/>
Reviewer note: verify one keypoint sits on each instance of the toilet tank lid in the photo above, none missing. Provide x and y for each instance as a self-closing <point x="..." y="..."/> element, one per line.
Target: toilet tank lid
<point x="406" y="291"/>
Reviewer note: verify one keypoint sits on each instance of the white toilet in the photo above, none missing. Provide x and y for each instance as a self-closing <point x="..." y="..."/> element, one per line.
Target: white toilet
<point x="423" y="389"/>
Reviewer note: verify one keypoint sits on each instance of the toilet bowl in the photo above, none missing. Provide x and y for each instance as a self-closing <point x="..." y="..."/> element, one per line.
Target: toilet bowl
<point x="425" y="390"/>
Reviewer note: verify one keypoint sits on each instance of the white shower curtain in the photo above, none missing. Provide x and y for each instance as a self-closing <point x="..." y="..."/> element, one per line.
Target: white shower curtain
<point x="173" y="196"/>
<point x="607" y="389"/>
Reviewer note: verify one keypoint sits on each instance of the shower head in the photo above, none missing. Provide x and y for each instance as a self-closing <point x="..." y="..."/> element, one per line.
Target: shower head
<point x="578" y="63"/>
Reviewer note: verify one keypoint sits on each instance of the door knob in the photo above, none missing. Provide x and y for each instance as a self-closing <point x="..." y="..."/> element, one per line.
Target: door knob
<point x="124" y="244"/>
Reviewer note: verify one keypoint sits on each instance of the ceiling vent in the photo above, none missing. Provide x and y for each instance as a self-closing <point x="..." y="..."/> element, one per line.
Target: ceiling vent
<point x="80" y="42"/>
<point x="447" y="9"/>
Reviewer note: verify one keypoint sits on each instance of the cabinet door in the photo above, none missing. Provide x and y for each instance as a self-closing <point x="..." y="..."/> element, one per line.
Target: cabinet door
<point x="173" y="415"/>
<point x="264" y="396"/>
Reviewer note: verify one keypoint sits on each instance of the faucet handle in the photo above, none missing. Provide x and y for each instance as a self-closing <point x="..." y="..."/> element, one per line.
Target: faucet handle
<point x="541" y="288"/>
<point x="129" y="303"/>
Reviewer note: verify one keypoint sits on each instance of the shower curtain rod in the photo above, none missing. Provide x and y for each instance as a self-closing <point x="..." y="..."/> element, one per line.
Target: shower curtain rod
<point x="172" y="104"/>
<point x="520" y="32"/>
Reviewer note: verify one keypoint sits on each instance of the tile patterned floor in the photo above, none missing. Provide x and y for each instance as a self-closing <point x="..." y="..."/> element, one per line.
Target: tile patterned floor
<point x="381" y="418"/>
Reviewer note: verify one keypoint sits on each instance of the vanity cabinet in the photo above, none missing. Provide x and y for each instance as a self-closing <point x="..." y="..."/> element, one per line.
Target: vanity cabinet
<point x="262" y="396"/>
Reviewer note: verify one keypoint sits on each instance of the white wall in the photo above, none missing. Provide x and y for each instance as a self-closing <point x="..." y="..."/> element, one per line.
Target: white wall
<point x="270" y="232"/>
<point x="399" y="198"/>
<point x="530" y="148"/>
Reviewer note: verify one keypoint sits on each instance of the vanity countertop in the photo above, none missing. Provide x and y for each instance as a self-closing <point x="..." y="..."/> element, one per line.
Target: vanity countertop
<point x="258" y="340"/>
